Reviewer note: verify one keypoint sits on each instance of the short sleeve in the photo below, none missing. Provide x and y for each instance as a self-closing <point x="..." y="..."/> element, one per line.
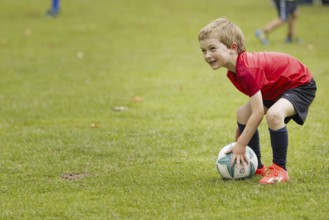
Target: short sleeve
<point x="248" y="83"/>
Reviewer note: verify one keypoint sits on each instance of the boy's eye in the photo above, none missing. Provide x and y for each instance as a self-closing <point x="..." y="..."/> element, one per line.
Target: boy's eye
<point x="213" y="48"/>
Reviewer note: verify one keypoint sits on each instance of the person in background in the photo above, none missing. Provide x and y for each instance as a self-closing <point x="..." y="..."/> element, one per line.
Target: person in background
<point x="54" y="8"/>
<point x="287" y="13"/>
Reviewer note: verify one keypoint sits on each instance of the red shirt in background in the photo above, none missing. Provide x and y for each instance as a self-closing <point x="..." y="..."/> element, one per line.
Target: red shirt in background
<point x="271" y="72"/>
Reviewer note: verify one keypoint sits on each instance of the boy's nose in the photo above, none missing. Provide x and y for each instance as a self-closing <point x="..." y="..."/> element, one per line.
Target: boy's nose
<point x="207" y="55"/>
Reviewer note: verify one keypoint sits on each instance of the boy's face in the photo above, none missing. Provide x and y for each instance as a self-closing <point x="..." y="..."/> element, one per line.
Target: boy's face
<point x="215" y="53"/>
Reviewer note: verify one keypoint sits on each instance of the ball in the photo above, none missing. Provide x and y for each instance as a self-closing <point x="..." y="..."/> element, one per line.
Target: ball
<point x="236" y="171"/>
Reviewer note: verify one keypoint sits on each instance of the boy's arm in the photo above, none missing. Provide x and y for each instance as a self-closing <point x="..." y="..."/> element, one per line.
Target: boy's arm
<point x="256" y="117"/>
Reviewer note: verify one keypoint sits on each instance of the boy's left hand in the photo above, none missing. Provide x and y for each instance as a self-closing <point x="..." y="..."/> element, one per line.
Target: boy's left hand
<point x="239" y="154"/>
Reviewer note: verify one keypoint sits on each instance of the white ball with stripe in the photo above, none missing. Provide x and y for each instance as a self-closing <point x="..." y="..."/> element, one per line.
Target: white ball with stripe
<point x="227" y="171"/>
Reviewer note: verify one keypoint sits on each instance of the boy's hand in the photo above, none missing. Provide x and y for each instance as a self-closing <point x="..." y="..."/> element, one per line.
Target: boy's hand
<point x="239" y="154"/>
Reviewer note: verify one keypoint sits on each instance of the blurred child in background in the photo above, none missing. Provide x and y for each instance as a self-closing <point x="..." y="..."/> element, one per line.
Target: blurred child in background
<point x="54" y="8"/>
<point x="287" y="13"/>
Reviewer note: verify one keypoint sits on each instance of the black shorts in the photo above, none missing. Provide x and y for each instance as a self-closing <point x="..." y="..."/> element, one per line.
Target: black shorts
<point x="301" y="98"/>
<point x="285" y="8"/>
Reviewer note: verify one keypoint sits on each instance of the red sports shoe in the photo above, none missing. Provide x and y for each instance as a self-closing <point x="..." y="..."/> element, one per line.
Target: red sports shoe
<point x="261" y="171"/>
<point x="275" y="174"/>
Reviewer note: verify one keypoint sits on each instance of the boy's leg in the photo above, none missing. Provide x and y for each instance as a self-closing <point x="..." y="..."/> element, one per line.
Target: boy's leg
<point x="279" y="143"/>
<point x="294" y="104"/>
<point x="243" y="115"/>
<point x="278" y="132"/>
<point x="279" y="140"/>
<point x="253" y="144"/>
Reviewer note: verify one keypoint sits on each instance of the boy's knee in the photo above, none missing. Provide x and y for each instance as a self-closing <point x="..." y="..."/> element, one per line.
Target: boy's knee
<point x="274" y="119"/>
<point x="242" y="115"/>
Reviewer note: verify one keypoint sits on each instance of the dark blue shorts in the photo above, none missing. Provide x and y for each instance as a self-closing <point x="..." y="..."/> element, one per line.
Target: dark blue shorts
<point x="301" y="98"/>
<point x="285" y="8"/>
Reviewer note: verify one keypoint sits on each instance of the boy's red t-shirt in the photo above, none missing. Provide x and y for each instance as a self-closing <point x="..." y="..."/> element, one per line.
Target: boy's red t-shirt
<point x="271" y="72"/>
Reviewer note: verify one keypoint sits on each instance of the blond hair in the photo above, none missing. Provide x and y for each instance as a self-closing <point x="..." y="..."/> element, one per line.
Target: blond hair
<point x="225" y="31"/>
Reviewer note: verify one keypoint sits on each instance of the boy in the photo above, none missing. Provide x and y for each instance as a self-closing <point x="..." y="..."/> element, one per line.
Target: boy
<point x="287" y="12"/>
<point x="279" y="86"/>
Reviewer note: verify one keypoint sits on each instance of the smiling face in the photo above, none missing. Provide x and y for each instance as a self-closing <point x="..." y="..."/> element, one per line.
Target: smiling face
<point x="221" y="42"/>
<point x="215" y="53"/>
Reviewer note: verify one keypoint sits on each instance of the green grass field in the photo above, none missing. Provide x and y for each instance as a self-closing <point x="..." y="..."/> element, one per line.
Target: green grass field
<point x="65" y="153"/>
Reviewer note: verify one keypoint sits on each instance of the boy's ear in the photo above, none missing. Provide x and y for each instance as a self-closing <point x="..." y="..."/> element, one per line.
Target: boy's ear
<point x="234" y="46"/>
